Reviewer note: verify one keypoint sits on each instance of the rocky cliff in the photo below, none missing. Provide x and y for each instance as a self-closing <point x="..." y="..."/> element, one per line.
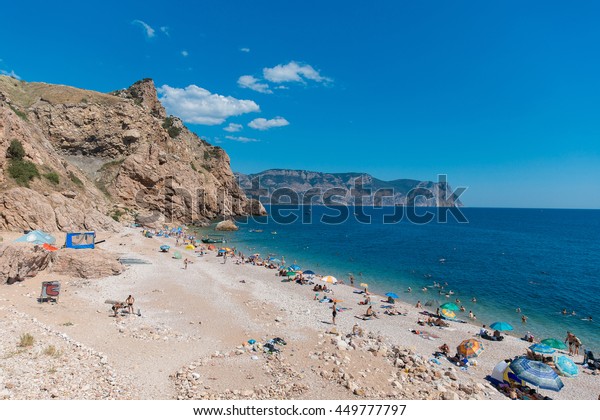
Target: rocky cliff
<point x="285" y="186"/>
<point x="98" y="158"/>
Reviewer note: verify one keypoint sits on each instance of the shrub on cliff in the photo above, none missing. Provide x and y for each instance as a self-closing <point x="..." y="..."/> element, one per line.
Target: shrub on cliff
<point x="22" y="171"/>
<point x="15" y="150"/>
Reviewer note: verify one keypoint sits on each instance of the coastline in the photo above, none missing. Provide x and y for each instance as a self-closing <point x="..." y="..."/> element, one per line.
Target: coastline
<point x="200" y="317"/>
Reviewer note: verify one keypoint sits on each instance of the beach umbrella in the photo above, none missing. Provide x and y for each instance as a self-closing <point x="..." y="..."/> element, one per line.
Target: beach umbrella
<point x="392" y="295"/>
<point x="448" y="314"/>
<point x="566" y="366"/>
<point x="177" y="255"/>
<point x="309" y="272"/>
<point x="536" y="373"/>
<point x="540" y="348"/>
<point x="190" y="246"/>
<point x="274" y="260"/>
<point x="165" y="248"/>
<point x="364" y="285"/>
<point x="501" y="326"/>
<point x="294" y="267"/>
<point x="329" y="279"/>
<point x="450" y="306"/>
<point x="470" y="348"/>
<point x="554" y="343"/>
<point x="290" y="273"/>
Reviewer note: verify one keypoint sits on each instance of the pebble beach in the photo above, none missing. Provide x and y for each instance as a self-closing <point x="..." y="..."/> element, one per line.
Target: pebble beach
<point x="191" y="338"/>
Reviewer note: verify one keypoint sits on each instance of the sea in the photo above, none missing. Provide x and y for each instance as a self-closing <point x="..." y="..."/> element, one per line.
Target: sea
<point x="538" y="261"/>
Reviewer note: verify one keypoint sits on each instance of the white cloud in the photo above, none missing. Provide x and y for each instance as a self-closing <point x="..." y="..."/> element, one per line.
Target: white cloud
<point x="150" y="33"/>
<point x="264" y="124"/>
<point x="196" y="105"/>
<point x="10" y="74"/>
<point x="165" y="30"/>
<point x="242" y="139"/>
<point x="292" y="72"/>
<point x="233" y="127"/>
<point x="246" y="50"/>
<point x="251" y="82"/>
<point x="185" y="53"/>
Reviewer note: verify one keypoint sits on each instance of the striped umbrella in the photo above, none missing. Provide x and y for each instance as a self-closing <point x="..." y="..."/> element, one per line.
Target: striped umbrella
<point x="554" y="343"/>
<point x="536" y="373"/>
<point x="470" y="348"/>
<point x="450" y="306"/>
<point x="541" y="349"/>
<point x="329" y="279"/>
<point x="566" y="366"/>
<point x="501" y="326"/>
<point x="446" y="313"/>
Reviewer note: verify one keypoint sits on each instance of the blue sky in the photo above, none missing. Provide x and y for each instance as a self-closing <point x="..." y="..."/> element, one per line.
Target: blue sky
<point x="501" y="96"/>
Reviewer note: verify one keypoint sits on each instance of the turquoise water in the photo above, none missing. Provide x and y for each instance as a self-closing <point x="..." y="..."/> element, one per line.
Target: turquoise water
<point x="538" y="260"/>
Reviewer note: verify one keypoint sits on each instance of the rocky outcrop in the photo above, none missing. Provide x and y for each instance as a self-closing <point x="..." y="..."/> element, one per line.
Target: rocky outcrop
<point x="21" y="260"/>
<point x="86" y="263"/>
<point x="226" y="225"/>
<point x="100" y="155"/>
<point x="297" y="186"/>
<point x="23" y="208"/>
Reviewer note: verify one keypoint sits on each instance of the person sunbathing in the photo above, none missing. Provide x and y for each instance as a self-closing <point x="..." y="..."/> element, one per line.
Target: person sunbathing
<point x="371" y="313"/>
<point x="440" y="323"/>
<point x="445" y="349"/>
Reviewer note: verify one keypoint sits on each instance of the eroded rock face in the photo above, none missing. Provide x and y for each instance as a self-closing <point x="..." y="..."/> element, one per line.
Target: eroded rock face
<point x="108" y="151"/>
<point x="86" y="263"/>
<point x="23" y="208"/>
<point x="21" y="260"/>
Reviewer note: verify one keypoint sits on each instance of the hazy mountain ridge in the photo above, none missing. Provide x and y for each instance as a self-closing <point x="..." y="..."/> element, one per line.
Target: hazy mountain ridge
<point x="349" y="185"/>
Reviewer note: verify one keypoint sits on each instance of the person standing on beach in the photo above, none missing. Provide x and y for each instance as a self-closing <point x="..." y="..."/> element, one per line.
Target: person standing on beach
<point x="185" y="264"/>
<point x="130" y="301"/>
<point x="576" y="345"/>
<point x="570" y="341"/>
<point x="334" y="313"/>
<point x="225" y="258"/>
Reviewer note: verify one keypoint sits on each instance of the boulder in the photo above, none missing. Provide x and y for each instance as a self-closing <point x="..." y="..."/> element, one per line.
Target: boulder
<point x="86" y="263"/>
<point x="226" y="225"/>
<point x="21" y="260"/>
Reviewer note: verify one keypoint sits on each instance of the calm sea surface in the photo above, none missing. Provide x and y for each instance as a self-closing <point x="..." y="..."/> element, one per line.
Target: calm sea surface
<point x="538" y="260"/>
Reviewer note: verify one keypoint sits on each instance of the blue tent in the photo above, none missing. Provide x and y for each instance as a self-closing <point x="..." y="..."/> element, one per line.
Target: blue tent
<point x="37" y="237"/>
<point x="80" y="240"/>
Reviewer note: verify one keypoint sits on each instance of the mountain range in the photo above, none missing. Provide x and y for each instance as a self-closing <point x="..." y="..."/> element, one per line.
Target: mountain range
<point x="277" y="186"/>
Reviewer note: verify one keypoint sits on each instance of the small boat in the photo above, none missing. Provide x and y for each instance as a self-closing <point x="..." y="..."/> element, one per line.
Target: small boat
<point x="255" y="230"/>
<point x="273" y="233"/>
<point x="214" y="239"/>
